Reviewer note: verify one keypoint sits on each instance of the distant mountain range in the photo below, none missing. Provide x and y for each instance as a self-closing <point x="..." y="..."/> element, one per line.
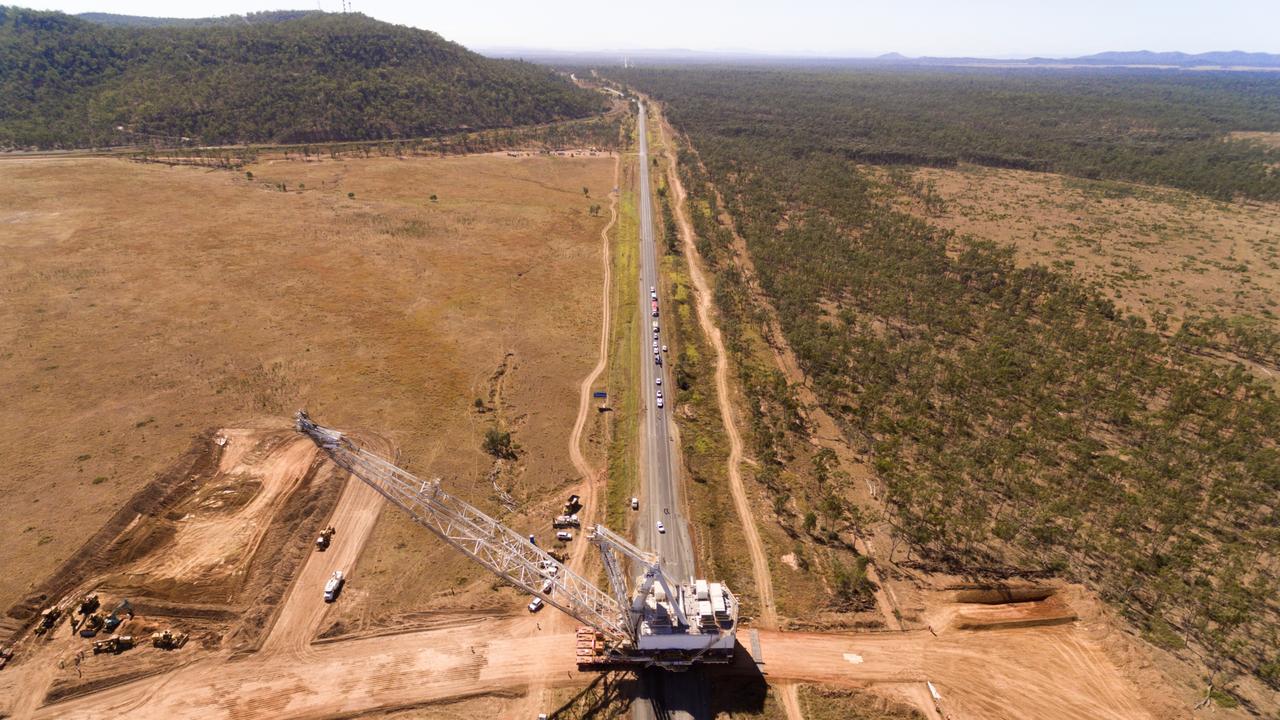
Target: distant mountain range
<point x="1228" y="59"/>
<point x="654" y="56"/>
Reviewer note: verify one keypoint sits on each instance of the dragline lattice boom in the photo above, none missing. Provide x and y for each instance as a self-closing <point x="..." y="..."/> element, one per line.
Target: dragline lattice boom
<point x="661" y="621"/>
<point x="502" y="550"/>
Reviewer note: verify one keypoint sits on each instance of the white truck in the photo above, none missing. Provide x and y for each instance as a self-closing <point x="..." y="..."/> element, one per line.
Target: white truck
<point x="566" y="521"/>
<point x="334" y="586"/>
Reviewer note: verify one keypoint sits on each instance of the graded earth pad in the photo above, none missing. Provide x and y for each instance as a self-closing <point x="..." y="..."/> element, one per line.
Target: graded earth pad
<point x="141" y="304"/>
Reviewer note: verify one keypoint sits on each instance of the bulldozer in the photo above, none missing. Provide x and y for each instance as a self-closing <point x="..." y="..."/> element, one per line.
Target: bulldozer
<point x="113" y="644"/>
<point x="322" y="542"/>
<point x="89" y="603"/>
<point x="168" y="639"/>
<point x="48" y="618"/>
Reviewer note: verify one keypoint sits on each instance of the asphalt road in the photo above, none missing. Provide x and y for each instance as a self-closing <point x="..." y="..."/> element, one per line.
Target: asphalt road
<point x="660" y="497"/>
<point x="662" y="694"/>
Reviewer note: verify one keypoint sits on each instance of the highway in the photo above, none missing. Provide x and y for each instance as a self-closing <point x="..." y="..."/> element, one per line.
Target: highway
<point x="660" y="497"/>
<point x="662" y="694"/>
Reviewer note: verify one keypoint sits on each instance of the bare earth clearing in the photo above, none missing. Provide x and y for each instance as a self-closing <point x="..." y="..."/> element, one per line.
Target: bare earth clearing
<point x="1153" y="249"/>
<point x="141" y="304"/>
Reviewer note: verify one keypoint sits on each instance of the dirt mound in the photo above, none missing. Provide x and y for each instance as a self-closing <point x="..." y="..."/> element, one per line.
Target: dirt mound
<point x="1050" y="611"/>
<point x="999" y="594"/>
<point x="218" y="535"/>
<point x="102" y="551"/>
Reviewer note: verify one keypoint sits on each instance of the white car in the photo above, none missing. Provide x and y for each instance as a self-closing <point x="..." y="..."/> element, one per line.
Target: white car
<point x="564" y="536"/>
<point x="659" y="393"/>
<point x="664" y="348"/>
<point x="659" y="402"/>
<point x="657" y="380"/>
<point x="635" y="503"/>
<point x="652" y="290"/>
<point x="548" y="586"/>
<point x="662" y="528"/>
<point x="536" y="605"/>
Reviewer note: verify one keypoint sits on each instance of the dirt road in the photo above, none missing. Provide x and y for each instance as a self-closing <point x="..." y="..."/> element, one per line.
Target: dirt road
<point x="592" y="478"/>
<point x="759" y="560"/>
<point x="1040" y="672"/>
<point x="353" y="519"/>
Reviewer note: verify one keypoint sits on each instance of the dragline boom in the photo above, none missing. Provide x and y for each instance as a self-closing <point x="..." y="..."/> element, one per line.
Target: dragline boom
<point x="501" y="550"/>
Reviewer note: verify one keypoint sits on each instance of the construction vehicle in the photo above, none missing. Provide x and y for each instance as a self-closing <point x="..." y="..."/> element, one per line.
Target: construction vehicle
<point x="656" y="623"/>
<point x="326" y="535"/>
<point x="48" y="618"/>
<point x="334" y="586"/>
<point x="92" y="624"/>
<point x="113" y="644"/>
<point x="566" y="521"/>
<point x="572" y="505"/>
<point x="89" y="603"/>
<point x="168" y="639"/>
<point x="113" y="621"/>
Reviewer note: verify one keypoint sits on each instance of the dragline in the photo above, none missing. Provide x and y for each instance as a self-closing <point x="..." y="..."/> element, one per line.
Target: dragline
<point x="657" y="622"/>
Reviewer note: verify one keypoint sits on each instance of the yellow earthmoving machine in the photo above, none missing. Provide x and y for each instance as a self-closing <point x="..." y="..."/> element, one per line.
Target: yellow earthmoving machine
<point x="168" y="639"/>
<point x="48" y="618"/>
<point x="114" y="644"/>
<point x="322" y="542"/>
<point x="92" y="624"/>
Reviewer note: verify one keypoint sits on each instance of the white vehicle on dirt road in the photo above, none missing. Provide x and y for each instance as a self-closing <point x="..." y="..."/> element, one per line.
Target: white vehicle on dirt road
<point x="334" y="586"/>
<point x="536" y="605"/>
<point x="661" y="528"/>
<point x="657" y="381"/>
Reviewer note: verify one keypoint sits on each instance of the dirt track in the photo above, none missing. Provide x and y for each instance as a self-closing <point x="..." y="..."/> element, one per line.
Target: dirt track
<point x="759" y="561"/>
<point x="592" y="478"/>
<point x="304" y="607"/>
<point x="994" y="674"/>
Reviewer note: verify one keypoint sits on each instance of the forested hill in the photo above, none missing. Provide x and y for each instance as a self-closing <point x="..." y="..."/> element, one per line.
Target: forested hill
<point x="280" y="77"/>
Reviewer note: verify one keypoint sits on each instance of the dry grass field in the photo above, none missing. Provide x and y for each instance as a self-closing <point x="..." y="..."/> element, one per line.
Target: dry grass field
<point x="1154" y="250"/>
<point x="141" y="305"/>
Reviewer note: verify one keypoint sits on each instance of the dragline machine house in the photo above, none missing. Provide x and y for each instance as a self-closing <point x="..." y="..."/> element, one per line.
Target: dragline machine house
<point x="654" y="621"/>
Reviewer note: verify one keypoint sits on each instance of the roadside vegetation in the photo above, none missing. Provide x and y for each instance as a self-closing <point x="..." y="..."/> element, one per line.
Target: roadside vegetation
<point x="624" y="348"/>
<point x="1021" y="423"/>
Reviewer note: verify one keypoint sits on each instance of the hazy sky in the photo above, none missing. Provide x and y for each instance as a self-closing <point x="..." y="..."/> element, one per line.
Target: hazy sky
<point x="914" y="27"/>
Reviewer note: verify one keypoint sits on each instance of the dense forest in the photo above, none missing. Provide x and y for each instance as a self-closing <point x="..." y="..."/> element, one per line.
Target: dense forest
<point x="1020" y="423"/>
<point x="283" y="77"/>
<point x="1161" y="127"/>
